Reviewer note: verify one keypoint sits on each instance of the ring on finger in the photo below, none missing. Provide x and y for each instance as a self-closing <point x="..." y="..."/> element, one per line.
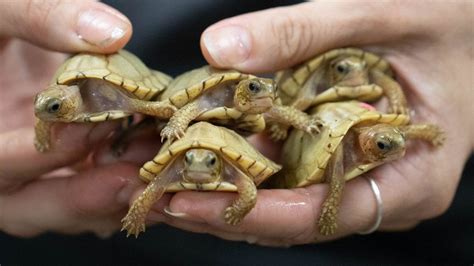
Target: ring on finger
<point x="379" y="207"/>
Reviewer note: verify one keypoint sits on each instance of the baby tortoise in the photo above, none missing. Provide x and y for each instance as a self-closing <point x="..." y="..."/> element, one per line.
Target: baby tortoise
<point x="230" y="98"/>
<point x="207" y="157"/>
<point x="94" y="88"/>
<point x="339" y="74"/>
<point x="355" y="139"/>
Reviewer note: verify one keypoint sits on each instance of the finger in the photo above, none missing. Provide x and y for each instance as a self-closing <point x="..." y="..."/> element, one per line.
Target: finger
<point x="204" y="228"/>
<point x="281" y="37"/>
<point x="19" y="160"/>
<point x="292" y="214"/>
<point x="93" y="200"/>
<point x="137" y="150"/>
<point x="266" y="146"/>
<point x="67" y="26"/>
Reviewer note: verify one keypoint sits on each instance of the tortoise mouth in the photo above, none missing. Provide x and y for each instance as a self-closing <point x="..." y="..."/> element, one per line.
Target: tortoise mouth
<point x="264" y="101"/>
<point x="200" y="176"/>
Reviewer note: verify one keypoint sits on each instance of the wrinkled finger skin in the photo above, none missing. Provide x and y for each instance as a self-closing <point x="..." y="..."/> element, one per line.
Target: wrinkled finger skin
<point x="433" y="62"/>
<point x="50" y="192"/>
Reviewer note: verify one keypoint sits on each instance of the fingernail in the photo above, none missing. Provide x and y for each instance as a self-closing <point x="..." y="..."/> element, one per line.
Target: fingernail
<point x="175" y="214"/>
<point x="251" y="239"/>
<point x="228" y="45"/>
<point x="101" y="28"/>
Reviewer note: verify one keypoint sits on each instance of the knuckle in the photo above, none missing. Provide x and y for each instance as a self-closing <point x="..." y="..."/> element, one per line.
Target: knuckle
<point x="38" y="12"/>
<point x="294" y="36"/>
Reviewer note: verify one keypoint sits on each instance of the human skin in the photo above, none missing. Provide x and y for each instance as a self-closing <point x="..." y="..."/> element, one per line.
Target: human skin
<point x="433" y="60"/>
<point x="75" y="198"/>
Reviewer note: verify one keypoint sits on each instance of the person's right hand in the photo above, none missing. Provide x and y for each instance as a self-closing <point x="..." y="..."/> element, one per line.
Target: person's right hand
<point x="32" y="198"/>
<point x="430" y="47"/>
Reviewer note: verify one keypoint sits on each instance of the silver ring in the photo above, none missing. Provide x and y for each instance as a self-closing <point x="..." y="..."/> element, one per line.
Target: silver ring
<point x="379" y="211"/>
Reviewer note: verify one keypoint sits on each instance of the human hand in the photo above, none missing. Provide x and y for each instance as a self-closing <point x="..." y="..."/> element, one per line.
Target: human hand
<point x="433" y="59"/>
<point x="49" y="192"/>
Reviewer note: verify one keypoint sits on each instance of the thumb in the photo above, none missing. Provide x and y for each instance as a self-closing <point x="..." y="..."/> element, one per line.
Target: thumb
<point x="281" y="37"/>
<point x="67" y="26"/>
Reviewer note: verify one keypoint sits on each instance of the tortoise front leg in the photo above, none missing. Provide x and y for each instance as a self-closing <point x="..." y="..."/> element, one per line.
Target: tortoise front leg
<point x="247" y="190"/>
<point x="427" y="132"/>
<point x="159" y="109"/>
<point x="180" y="120"/>
<point x="42" y="135"/>
<point x="393" y="91"/>
<point x="330" y="208"/>
<point x="134" y="221"/>
<point x="278" y="131"/>
<point x="289" y="115"/>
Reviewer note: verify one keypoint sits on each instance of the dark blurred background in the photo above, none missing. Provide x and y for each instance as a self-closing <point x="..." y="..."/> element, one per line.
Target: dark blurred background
<point x="166" y="37"/>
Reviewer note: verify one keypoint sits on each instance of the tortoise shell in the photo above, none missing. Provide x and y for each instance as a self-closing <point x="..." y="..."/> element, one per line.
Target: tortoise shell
<point x="306" y="157"/>
<point x="190" y="85"/>
<point x="233" y="148"/>
<point x="291" y="80"/>
<point x="122" y="69"/>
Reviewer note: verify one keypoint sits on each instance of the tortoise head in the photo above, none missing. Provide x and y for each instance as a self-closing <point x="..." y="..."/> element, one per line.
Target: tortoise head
<point x="348" y="71"/>
<point x="382" y="143"/>
<point x="255" y="96"/>
<point x="58" y="103"/>
<point x="201" y="166"/>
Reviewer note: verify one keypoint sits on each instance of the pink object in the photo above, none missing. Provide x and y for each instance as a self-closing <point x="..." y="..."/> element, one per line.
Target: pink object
<point x="367" y="106"/>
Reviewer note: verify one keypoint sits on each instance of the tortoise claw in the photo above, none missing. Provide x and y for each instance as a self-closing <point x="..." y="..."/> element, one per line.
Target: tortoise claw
<point x="438" y="141"/>
<point x="41" y="146"/>
<point x="314" y="126"/>
<point x="278" y="132"/>
<point x="133" y="225"/>
<point x="170" y="132"/>
<point x="232" y="216"/>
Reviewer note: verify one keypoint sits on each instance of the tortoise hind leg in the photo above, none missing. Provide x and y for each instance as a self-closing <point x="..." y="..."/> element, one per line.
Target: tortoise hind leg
<point x="330" y="207"/>
<point x="244" y="203"/>
<point x="428" y="132"/>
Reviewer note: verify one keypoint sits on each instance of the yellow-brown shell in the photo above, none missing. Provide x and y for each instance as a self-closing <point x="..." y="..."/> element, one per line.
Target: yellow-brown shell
<point x="291" y="80"/>
<point x="232" y="147"/>
<point x="122" y="69"/>
<point x="305" y="157"/>
<point x="189" y="86"/>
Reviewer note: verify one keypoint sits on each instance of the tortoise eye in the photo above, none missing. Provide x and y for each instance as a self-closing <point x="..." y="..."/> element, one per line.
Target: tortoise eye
<point x="188" y="157"/>
<point x="254" y="87"/>
<point x="342" y="68"/>
<point x="211" y="161"/>
<point x="383" y="145"/>
<point x="53" y="106"/>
